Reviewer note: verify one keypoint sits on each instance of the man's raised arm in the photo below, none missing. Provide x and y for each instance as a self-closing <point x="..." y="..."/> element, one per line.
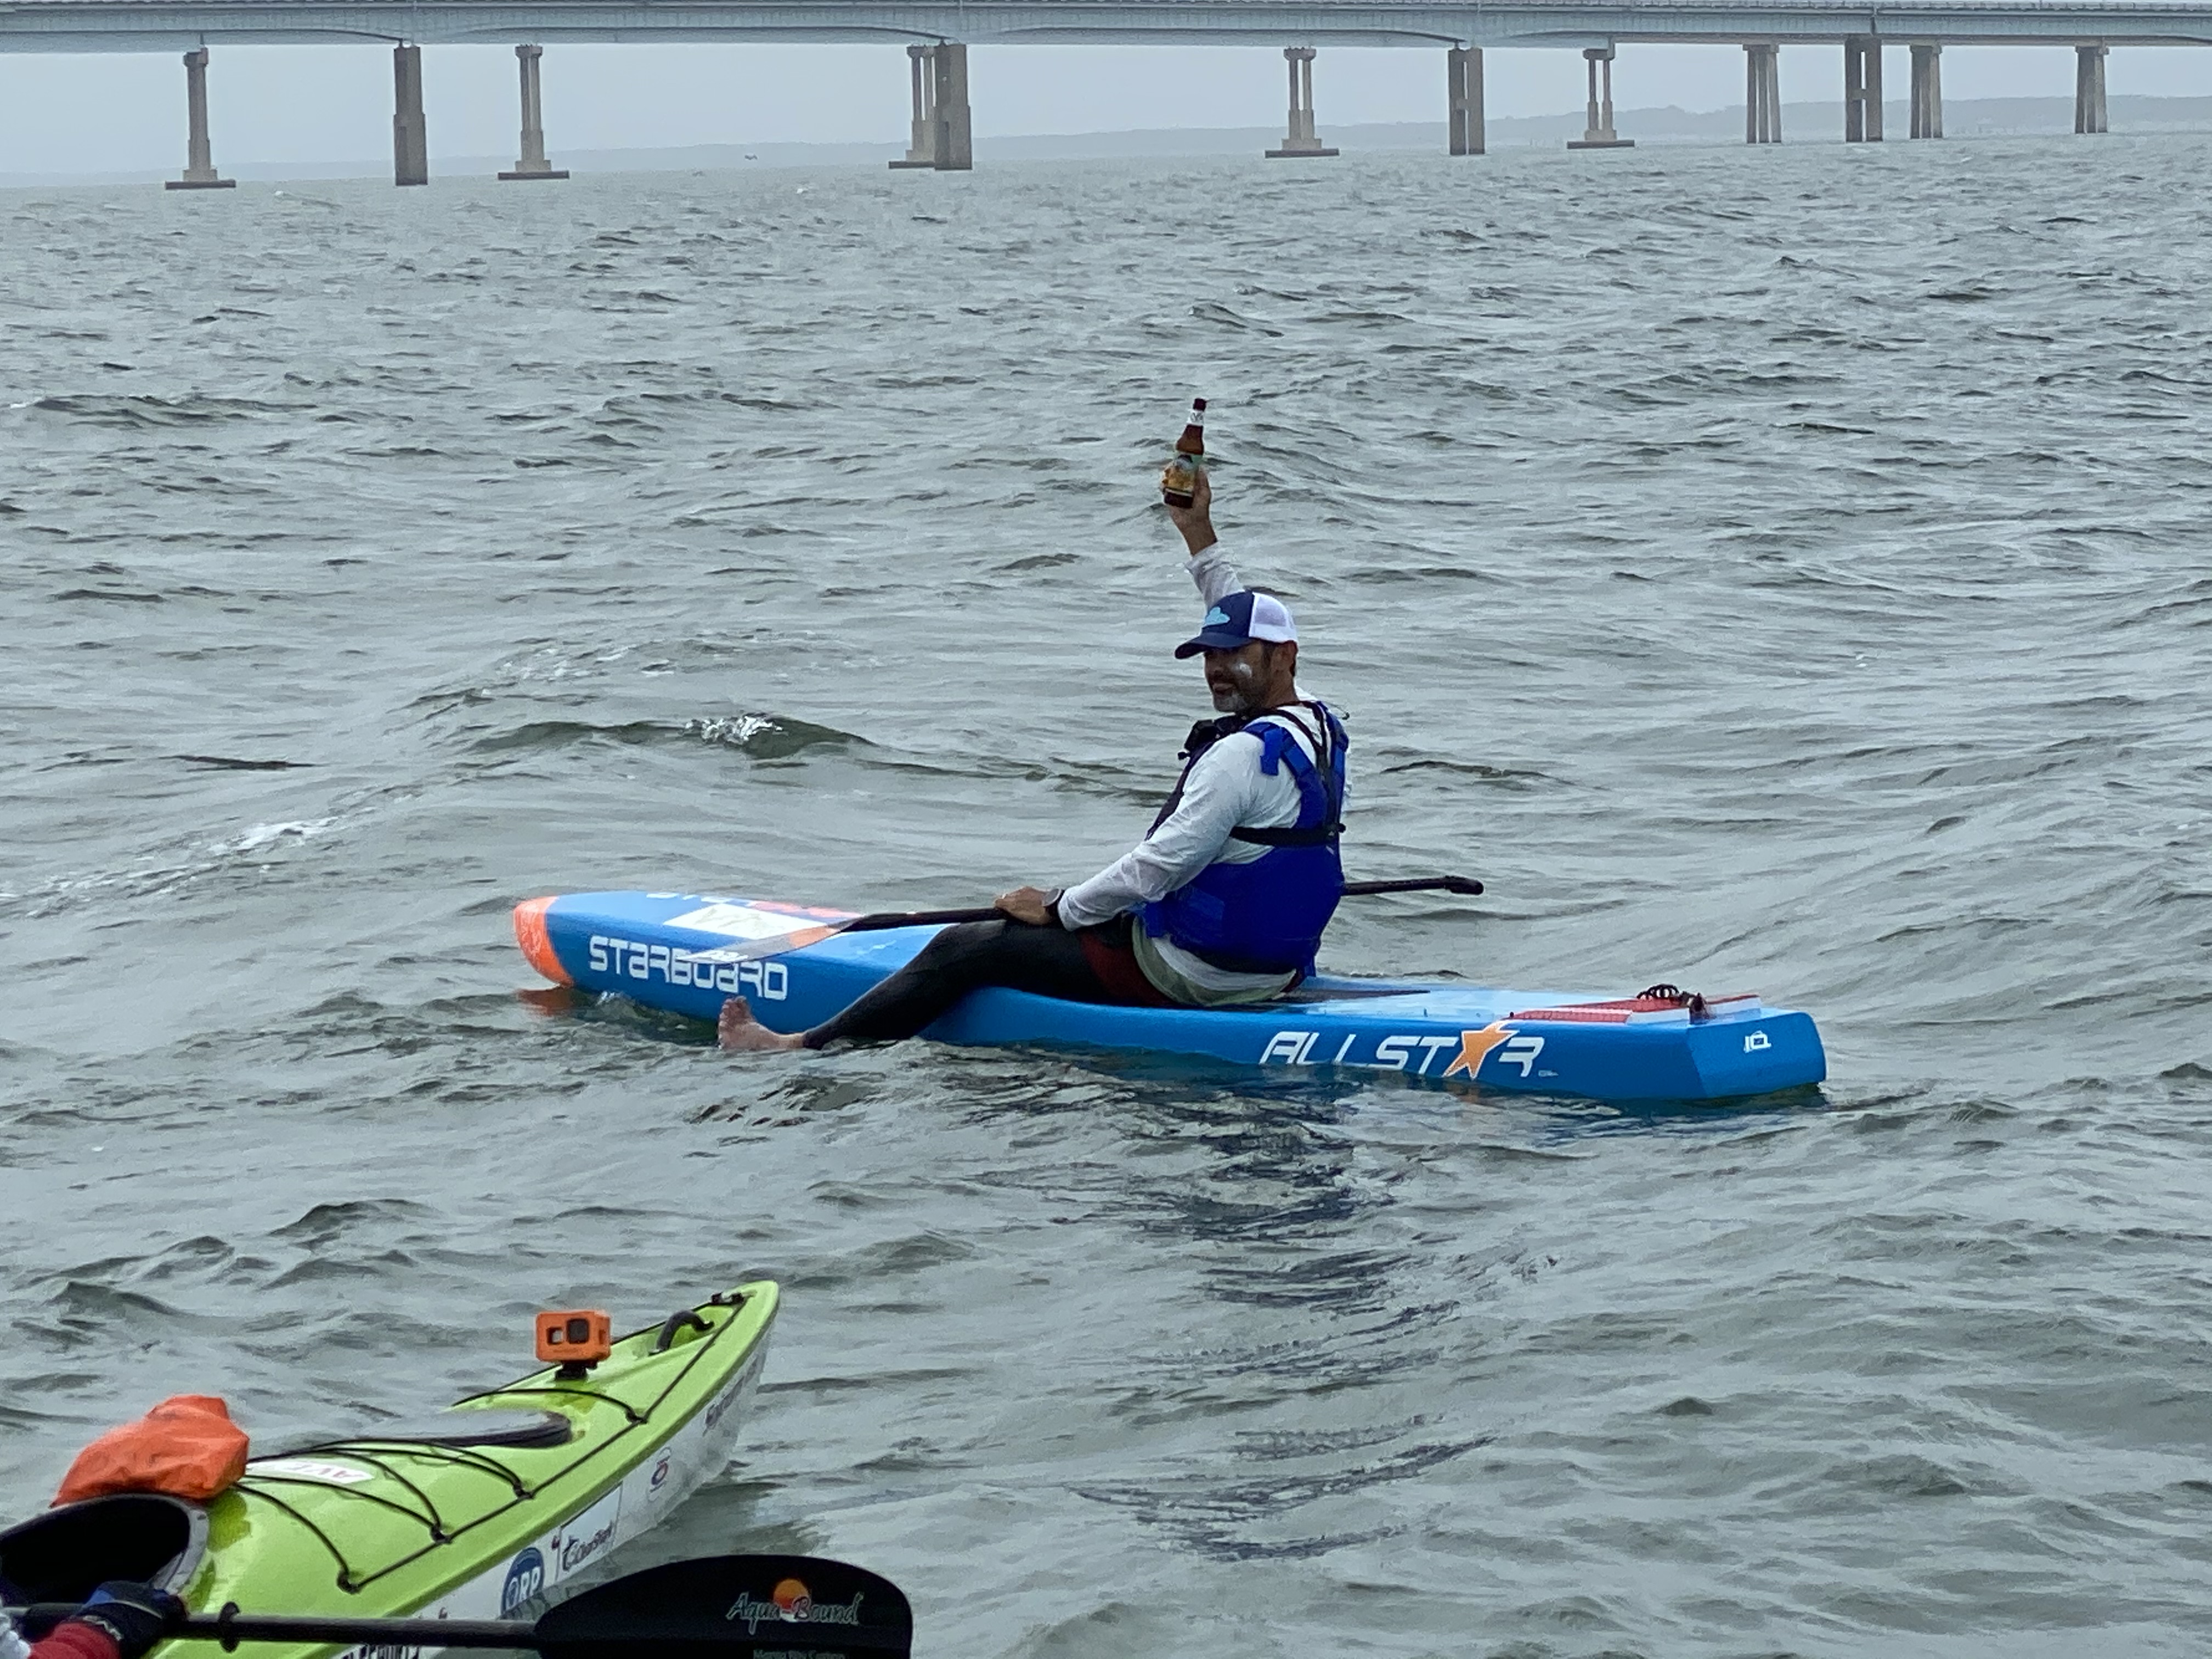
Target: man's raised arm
<point x="1209" y="566"/>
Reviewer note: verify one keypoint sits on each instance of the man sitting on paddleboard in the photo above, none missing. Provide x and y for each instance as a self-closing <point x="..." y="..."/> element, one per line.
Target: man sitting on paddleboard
<point x="1223" y="902"/>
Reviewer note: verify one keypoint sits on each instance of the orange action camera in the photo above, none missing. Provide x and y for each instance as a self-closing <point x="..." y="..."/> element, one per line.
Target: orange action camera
<point x="574" y="1336"/>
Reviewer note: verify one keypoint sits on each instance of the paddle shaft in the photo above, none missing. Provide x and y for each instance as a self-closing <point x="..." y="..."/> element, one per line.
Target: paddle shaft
<point x="881" y="919"/>
<point x="385" y="1633"/>
<point x="289" y="1627"/>
<point x="729" y="1606"/>
<point x="231" y="1629"/>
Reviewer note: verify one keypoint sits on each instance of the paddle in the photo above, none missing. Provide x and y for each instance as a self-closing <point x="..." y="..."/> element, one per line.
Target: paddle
<point x="726" y="1607"/>
<point x="810" y="932"/>
<point x="881" y="919"/>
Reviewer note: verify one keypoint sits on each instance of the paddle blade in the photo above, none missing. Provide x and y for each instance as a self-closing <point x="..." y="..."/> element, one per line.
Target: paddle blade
<point x="732" y="1606"/>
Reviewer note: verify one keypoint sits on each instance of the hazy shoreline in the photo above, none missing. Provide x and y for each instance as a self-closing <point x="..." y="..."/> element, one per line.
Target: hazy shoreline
<point x="1806" y="122"/>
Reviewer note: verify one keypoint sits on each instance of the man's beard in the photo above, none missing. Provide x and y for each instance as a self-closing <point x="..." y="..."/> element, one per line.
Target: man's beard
<point x="1240" y="697"/>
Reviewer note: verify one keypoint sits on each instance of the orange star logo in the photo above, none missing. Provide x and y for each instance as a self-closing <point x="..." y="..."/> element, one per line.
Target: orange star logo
<point x="1476" y="1046"/>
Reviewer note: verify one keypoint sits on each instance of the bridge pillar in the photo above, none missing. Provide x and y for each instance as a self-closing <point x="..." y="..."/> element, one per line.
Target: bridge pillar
<point x="921" y="147"/>
<point x="1299" y="139"/>
<point x="956" y="141"/>
<point x="1464" y="87"/>
<point x="411" y="139"/>
<point x="199" y="163"/>
<point x="1862" y="89"/>
<point x="1762" y="95"/>
<point x="941" y="137"/>
<point x="2089" y="88"/>
<point x="533" y="163"/>
<point x="1599" y="133"/>
<point x="1927" y="89"/>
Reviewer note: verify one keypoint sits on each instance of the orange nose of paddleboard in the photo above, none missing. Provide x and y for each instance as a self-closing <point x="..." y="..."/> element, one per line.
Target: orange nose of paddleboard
<point x="530" y="935"/>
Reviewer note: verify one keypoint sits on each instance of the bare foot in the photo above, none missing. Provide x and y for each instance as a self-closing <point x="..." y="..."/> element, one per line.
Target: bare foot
<point x="737" y="1030"/>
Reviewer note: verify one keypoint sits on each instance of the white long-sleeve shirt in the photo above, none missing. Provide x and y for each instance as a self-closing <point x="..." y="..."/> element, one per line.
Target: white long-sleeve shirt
<point x="1225" y="790"/>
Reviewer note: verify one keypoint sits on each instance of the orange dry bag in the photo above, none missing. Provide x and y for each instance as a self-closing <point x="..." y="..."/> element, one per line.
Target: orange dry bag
<point x="186" y="1447"/>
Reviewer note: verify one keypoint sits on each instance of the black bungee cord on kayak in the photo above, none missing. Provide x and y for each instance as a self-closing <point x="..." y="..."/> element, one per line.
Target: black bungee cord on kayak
<point x="1664" y="992"/>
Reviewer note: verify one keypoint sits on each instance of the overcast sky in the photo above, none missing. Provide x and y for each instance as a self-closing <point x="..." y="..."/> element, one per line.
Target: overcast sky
<point x="114" y="112"/>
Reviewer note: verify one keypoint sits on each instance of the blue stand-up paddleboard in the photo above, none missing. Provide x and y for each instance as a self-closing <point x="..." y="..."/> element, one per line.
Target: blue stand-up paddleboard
<point x="688" y="953"/>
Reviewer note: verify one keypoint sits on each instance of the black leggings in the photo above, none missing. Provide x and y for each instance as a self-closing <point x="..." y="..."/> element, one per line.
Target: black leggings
<point x="967" y="957"/>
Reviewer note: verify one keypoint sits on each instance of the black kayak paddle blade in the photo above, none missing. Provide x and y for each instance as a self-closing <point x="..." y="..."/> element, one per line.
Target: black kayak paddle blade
<point x="732" y="1606"/>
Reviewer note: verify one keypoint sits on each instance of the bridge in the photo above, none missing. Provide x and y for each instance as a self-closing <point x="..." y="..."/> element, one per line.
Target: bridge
<point x="937" y="33"/>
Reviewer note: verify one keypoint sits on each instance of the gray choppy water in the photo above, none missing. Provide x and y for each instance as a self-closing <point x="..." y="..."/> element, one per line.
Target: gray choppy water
<point x="1770" y="569"/>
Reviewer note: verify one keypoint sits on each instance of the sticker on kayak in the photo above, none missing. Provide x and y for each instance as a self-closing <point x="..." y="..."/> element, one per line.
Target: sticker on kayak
<point x="729" y="968"/>
<point x="586" y="1538"/>
<point x="526" y="1577"/>
<point x="312" y="1469"/>
<point x="754" y="922"/>
<point x="1414" y="1052"/>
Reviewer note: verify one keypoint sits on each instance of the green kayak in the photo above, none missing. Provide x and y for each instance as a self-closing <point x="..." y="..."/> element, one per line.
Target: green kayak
<point x="471" y="1515"/>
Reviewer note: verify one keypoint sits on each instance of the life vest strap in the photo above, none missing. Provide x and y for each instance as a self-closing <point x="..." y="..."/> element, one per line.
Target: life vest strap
<point x="1321" y="834"/>
<point x="1273" y="727"/>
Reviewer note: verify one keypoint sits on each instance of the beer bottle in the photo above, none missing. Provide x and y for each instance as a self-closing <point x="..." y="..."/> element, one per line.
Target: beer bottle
<point x="1179" y="483"/>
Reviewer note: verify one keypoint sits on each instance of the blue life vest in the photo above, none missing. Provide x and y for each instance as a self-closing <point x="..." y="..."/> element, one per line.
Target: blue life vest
<point x="1266" y="916"/>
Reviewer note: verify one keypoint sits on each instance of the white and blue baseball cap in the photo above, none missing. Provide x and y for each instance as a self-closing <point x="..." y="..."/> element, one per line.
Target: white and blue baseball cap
<point x="1238" y="620"/>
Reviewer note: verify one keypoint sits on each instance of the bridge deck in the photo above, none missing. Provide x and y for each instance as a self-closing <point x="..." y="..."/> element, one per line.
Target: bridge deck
<point x="177" y="25"/>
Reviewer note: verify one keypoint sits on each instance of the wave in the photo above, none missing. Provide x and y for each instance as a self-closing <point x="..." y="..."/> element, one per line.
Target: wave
<point x="156" y="414"/>
<point x="764" y="737"/>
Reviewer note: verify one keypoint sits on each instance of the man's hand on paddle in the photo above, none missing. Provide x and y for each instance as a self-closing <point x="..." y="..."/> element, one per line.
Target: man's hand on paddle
<point x="1196" y="520"/>
<point x="1030" y="905"/>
